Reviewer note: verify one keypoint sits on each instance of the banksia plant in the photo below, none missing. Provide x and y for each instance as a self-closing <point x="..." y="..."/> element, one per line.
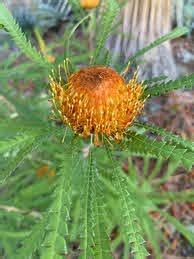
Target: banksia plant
<point x="80" y="130"/>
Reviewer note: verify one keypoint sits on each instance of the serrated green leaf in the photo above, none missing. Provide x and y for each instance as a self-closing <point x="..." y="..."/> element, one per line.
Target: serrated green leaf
<point x="145" y="145"/>
<point x="10" y="144"/>
<point x="7" y="20"/>
<point x="28" y="147"/>
<point x="185" y="82"/>
<point x="131" y="226"/>
<point x="168" y="136"/>
<point x="177" y="32"/>
<point x="32" y="241"/>
<point x="106" y="26"/>
<point x="54" y="244"/>
<point x="95" y="241"/>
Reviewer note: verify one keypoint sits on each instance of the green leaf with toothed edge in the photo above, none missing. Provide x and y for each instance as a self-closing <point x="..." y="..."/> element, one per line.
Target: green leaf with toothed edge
<point x="131" y="227"/>
<point x="106" y="26"/>
<point x="9" y="23"/>
<point x="95" y="243"/>
<point x="168" y="136"/>
<point x="54" y="244"/>
<point x="18" y="148"/>
<point x="101" y="241"/>
<point x="177" y="32"/>
<point x="185" y="82"/>
<point x="11" y="143"/>
<point x="27" y="148"/>
<point x="144" y="145"/>
<point x="87" y="228"/>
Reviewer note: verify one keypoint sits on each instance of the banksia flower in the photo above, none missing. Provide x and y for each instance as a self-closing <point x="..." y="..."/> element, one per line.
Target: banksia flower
<point x="89" y="4"/>
<point x="97" y="101"/>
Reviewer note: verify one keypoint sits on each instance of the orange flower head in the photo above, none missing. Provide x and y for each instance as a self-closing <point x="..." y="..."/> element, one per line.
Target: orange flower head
<point x="97" y="101"/>
<point x="89" y="4"/>
<point x="45" y="171"/>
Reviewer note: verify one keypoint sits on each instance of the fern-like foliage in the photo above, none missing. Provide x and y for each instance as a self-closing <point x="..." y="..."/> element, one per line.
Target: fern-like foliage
<point x="14" y="162"/>
<point x="101" y="238"/>
<point x="95" y="242"/>
<point x="32" y="242"/>
<point x="54" y="244"/>
<point x="130" y="220"/>
<point x="9" y="23"/>
<point x="185" y="82"/>
<point x="107" y="20"/>
<point x="168" y="136"/>
<point x="88" y="221"/>
<point x="48" y="237"/>
<point x="155" y="80"/>
<point x="19" y="147"/>
<point x="170" y="36"/>
<point x="145" y="145"/>
<point x="10" y="144"/>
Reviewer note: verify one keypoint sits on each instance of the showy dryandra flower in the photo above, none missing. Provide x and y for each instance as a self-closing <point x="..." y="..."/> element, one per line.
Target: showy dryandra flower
<point x="96" y="100"/>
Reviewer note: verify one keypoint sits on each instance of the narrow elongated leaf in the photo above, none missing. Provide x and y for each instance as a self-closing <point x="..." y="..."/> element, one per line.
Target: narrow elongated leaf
<point x="14" y="235"/>
<point x="30" y="144"/>
<point x="152" y="234"/>
<point x="179" y="226"/>
<point x="12" y="143"/>
<point x="106" y="26"/>
<point x="170" y="36"/>
<point x="131" y="226"/>
<point x="185" y="82"/>
<point x="167" y="135"/>
<point x="166" y="197"/>
<point x="145" y="145"/>
<point x="95" y="241"/>
<point x="32" y="242"/>
<point x="18" y="36"/>
<point x="155" y="80"/>
<point x="87" y="241"/>
<point x="58" y="215"/>
<point x="101" y="247"/>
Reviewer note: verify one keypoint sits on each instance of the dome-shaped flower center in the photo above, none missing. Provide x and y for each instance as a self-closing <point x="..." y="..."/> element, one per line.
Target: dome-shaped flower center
<point x="96" y="78"/>
<point x="97" y="101"/>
